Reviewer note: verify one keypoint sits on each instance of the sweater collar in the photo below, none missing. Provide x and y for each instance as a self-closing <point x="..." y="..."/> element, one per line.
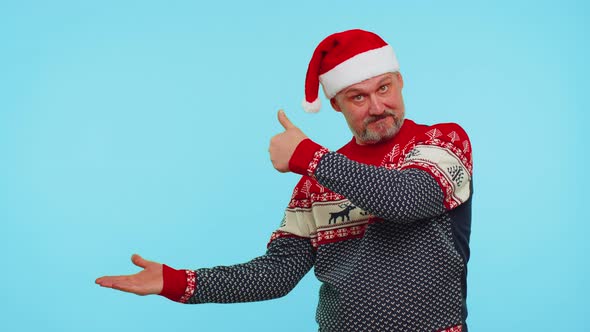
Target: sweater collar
<point x="373" y="153"/>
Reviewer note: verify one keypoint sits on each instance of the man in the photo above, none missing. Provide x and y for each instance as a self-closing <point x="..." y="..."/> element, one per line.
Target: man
<point x="385" y="221"/>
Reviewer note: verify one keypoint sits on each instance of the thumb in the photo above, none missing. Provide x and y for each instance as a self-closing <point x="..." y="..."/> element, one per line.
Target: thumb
<point x="285" y="122"/>
<point x="139" y="261"/>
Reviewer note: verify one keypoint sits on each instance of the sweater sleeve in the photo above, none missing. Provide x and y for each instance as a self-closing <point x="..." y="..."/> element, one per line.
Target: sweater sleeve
<point x="396" y="195"/>
<point x="431" y="177"/>
<point x="272" y="275"/>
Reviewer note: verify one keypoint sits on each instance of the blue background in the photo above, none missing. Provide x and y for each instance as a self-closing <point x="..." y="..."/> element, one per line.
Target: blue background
<point x="143" y="126"/>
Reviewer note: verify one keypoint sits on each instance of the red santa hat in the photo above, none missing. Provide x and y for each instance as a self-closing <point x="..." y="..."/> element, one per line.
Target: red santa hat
<point x="343" y="59"/>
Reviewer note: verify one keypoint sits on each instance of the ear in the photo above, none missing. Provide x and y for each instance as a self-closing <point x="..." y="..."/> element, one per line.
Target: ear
<point x="335" y="105"/>
<point x="400" y="79"/>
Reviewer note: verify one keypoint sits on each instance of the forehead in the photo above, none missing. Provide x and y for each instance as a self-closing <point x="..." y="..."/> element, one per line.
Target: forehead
<point x="368" y="84"/>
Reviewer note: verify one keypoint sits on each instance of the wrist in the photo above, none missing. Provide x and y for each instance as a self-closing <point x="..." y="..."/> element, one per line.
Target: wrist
<point x="306" y="157"/>
<point x="178" y="285"/>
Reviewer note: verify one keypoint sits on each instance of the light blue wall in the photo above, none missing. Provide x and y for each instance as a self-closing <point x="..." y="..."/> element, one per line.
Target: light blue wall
<point x="143" y="126"/>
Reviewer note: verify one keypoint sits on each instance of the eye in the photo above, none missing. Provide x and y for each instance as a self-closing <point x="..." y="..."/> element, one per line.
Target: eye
<point x="358" y="98"/>
<point x="384" y="88"/>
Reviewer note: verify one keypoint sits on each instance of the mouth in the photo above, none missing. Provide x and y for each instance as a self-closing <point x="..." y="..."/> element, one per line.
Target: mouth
<point x="379" y="120"/>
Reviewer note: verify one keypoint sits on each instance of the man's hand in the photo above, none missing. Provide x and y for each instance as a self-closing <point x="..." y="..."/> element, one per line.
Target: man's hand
<point x="282" y="146"/>
<point x="146" y="282"/>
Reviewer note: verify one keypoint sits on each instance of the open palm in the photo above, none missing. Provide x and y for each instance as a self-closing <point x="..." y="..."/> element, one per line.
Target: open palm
<point x="148" y="281"/>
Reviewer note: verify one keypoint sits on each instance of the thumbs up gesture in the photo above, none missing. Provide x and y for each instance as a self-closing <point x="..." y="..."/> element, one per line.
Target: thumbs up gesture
<point x="282" y="146"/>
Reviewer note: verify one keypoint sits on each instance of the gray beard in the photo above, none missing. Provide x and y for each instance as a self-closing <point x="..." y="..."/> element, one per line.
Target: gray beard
<point x="368" y="136"/>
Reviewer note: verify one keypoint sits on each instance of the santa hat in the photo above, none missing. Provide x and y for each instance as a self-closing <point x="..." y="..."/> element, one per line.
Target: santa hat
<point x="343" y="59"/>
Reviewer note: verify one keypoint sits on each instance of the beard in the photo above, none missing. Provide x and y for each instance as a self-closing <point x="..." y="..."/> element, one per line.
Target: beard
<point x="371" y="136"/>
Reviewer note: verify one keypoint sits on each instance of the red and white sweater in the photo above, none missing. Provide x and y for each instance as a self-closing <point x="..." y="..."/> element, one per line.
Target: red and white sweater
<point x="386" y="228"/>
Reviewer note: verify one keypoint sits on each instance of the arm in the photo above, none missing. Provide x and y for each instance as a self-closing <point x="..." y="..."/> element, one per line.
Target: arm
<point x="269" y="276"/>
<point x="396" y="195"/>
<point x="266" y="277"/>
<point x="432" y="176"/>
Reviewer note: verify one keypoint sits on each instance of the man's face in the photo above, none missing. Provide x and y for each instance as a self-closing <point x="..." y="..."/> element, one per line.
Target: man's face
<point x="374" y="108"/>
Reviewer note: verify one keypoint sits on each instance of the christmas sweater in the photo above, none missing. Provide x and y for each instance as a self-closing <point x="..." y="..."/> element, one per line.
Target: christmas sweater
<point x="385" y="226"/>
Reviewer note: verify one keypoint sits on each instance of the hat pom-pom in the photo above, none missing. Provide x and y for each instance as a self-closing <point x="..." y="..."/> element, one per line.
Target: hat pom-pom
<point x="312" y="107"/>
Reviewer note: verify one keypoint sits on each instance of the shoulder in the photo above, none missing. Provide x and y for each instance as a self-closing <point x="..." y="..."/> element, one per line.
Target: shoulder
<point x="301" y="196"/>
<point x="448" y="136"/>
<point x="448" y="132"/>
<point x="444" y="151"/>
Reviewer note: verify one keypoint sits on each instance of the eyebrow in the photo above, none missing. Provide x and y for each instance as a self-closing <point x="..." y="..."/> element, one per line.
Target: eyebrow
<point x="384" y="80"/>
<point x="352" y="91"/>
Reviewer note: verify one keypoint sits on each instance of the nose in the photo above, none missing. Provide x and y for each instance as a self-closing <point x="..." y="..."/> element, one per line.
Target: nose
<point x="376" y="106"/>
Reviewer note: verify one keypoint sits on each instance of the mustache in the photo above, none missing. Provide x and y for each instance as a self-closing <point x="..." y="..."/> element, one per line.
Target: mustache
<point x="375" y="118"/>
